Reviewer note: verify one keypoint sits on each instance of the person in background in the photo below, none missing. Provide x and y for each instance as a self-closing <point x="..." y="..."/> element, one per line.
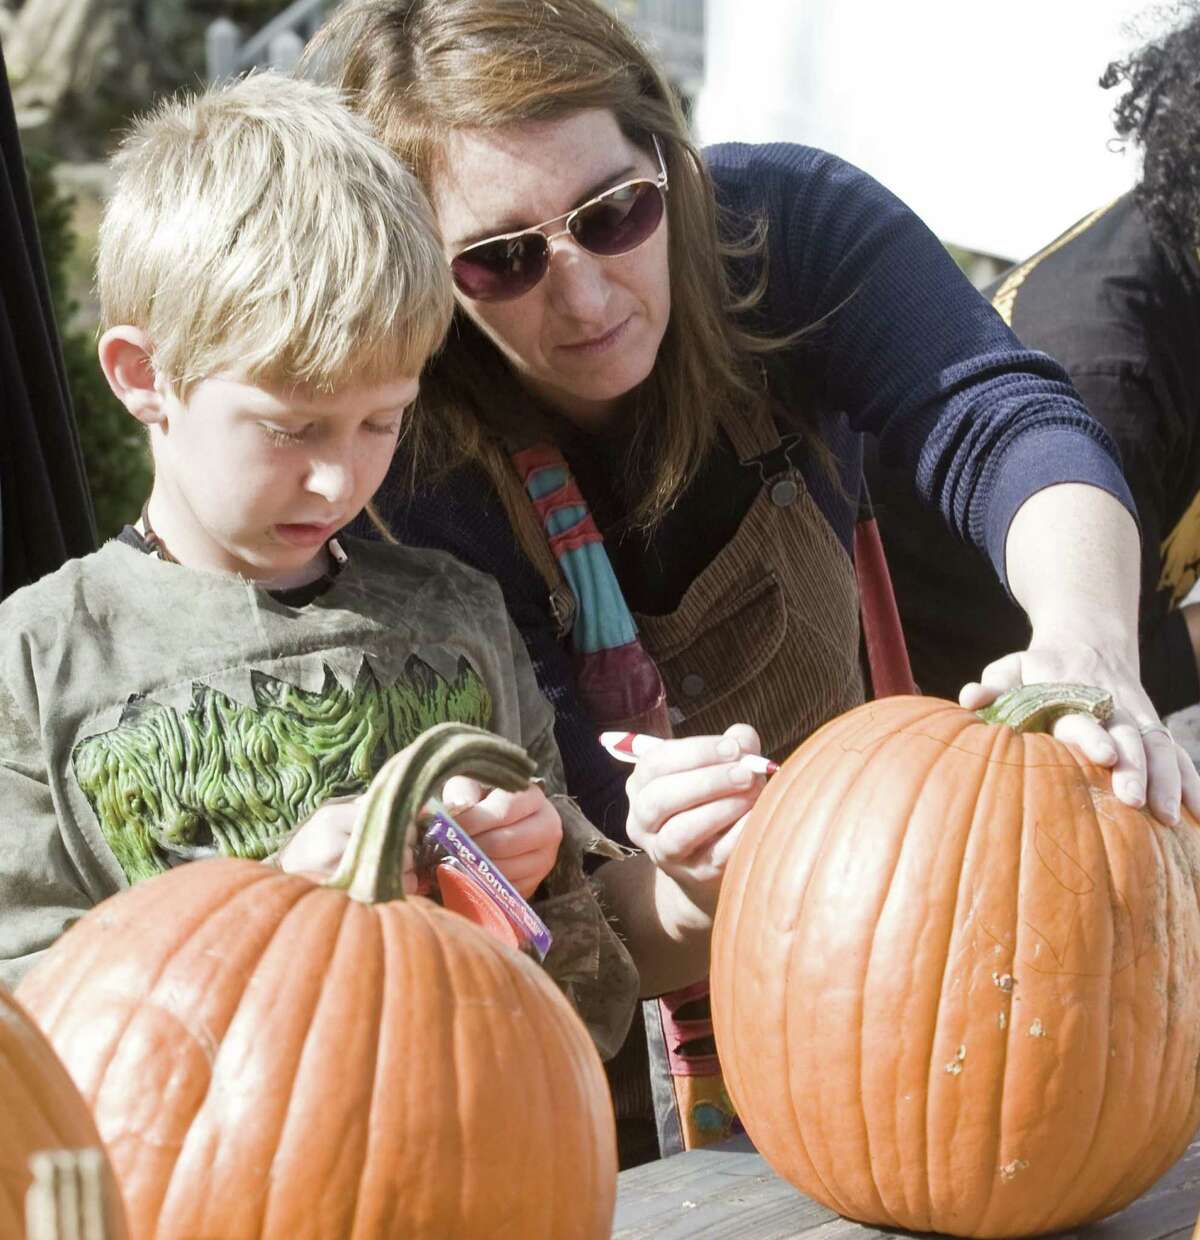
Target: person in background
<point x="1116" y="300"/>
<point x="648" y="417"/>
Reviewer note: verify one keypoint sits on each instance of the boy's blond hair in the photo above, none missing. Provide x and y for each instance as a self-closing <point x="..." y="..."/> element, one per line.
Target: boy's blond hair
<point x="261" y="228"/>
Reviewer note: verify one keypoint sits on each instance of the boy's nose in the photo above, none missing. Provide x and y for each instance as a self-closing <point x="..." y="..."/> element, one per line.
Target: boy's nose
<point x="332" y="480"/>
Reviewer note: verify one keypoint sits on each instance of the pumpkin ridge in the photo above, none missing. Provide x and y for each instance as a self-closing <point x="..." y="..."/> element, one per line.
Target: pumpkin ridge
<point x="428" y="915"/>
<point x="1005" y="738"/>
<point x="831" y="817"/>
<point x="1120" y="1192"/>
<point x="279" y="1137"/>
<point x="1085" y="1176"/>
<point x="53" y="1000"/>
<point x="453" y="975"/>
<point x="902" y="742"/>
<point x="60" y="996"/>
<point x="1075" y="773"/>
<point x="1161" y="1099"/>
<point x="550" y="1151"/>
<point x="549" y="1037"/>
<point x="171" y="1186"/>
<point x="381" y="950"/>
<point x="282" y="1142"/>
<point x="780" y="789"/>
<point x="545" y="1154"/>
<point x="457" y="973"/>
<point x="1160" y="836"/>
<point x="984" y="770"/>
<point x="787" y="1007"/>
<point x="1027" y="854"/>
<point x="160" y="967"/>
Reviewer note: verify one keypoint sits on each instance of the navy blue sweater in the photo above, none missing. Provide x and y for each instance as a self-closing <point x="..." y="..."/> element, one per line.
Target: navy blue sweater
<point x="901" y="347"/>
<point x="1122" y="314"/>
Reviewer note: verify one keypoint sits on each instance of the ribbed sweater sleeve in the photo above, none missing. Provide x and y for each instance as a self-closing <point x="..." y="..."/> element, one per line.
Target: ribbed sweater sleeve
<point x="899" y="341"/>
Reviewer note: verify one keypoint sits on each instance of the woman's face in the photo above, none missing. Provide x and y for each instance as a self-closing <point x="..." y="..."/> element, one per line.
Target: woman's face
<point x="590" y="330"/>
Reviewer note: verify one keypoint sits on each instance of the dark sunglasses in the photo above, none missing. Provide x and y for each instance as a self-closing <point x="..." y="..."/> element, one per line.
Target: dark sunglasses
<point x="615" y="222"/>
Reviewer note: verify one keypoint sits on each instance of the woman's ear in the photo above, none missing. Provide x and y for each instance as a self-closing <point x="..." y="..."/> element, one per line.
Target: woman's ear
<point x="127" y="361"/>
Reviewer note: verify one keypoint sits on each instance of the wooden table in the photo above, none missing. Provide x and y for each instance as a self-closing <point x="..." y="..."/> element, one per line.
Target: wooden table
<point x="727" y="1192"/>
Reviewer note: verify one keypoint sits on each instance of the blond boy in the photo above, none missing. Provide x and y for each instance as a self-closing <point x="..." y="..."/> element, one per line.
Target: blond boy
<point x="225" y="674"/>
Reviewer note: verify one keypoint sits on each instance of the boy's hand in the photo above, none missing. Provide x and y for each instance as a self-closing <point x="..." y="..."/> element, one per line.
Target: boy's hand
<point x="519" y="831"/>
<point x="316" y="846"/>
<point x="688" y="799"/>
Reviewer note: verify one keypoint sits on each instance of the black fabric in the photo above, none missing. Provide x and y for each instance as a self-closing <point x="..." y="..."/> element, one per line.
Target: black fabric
<point x="655" y="572"/>
<point x="1105" y="301"/>
<point x="45" y="510"/>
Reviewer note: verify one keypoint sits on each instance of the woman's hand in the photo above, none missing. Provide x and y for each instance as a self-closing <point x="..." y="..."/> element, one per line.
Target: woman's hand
<point x="1148" y="767"/>
<point x="316" y="846"/>
<point x="520" y="831"/>
<point x="688" y="799"/>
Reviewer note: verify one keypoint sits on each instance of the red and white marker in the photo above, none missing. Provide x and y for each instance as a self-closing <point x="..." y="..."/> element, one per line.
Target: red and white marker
<point x="630" y="746"/>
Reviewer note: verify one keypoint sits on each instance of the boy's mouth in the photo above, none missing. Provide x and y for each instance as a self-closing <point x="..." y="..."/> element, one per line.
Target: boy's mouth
<point x="306" y="534"/>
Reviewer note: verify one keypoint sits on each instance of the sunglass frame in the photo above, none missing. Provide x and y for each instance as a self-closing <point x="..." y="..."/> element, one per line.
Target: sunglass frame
<point x="660" y="183"/>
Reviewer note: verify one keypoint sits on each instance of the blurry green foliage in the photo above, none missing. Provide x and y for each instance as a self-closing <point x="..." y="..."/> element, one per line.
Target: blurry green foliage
<point x="114" y="446"/>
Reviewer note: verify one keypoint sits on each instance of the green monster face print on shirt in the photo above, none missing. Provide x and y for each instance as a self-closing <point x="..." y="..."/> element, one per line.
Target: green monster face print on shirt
<point x="227" y="779"/>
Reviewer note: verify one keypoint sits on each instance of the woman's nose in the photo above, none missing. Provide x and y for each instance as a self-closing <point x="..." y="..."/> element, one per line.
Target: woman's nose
<point x="578" y="285"/>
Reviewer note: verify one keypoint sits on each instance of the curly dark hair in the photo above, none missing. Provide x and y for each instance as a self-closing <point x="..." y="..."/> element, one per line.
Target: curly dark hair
<point x="1160" y="112"/>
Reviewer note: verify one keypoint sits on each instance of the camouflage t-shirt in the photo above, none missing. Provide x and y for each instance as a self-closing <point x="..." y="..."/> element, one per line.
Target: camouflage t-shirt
<point x="152" y="714"/>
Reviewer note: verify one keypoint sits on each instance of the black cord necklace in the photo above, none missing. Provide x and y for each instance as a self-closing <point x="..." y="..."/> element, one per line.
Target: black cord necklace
<point x="154" y="544"/>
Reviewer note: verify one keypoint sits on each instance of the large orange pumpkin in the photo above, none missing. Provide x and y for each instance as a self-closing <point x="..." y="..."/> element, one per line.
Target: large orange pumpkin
<point x="267" y="1056"/>
<point x="40" y="1110"/>
<point x="955" y="982"/>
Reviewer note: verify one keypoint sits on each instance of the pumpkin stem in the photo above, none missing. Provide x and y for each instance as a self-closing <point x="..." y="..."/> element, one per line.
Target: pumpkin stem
<point x="1037" y="708"/>
<point x="372" y="867"/>
<point x="68" y="1197"/>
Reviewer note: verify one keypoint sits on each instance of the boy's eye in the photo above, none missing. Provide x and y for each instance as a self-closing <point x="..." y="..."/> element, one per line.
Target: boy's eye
<point x="279" y="435"/>
<point x="389" y="428"/>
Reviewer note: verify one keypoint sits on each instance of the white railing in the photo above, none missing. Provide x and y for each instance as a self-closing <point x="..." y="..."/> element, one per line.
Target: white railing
<point x="675" y="28"/>
<point x="278" y="44"/>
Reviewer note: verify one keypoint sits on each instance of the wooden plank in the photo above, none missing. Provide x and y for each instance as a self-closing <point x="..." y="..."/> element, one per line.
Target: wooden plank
<point x="727" y="1192"/>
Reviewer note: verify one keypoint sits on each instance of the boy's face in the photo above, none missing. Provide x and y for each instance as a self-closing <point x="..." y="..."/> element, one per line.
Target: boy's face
<point x="254" y="480"/>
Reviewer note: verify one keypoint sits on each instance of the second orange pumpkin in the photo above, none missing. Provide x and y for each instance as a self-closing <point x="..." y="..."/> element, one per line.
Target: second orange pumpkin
<point x="956" y="983"/>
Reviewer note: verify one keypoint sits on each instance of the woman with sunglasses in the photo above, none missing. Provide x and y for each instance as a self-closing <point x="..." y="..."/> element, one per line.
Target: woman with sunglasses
<point x="676" y="352"/>
<point x="646" y="420"/>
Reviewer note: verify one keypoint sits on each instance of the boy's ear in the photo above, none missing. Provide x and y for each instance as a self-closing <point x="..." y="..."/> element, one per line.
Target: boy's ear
<point x="126" y="359"/>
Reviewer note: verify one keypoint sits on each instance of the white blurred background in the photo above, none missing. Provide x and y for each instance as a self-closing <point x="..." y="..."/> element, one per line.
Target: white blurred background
<point x="986" y="118"/>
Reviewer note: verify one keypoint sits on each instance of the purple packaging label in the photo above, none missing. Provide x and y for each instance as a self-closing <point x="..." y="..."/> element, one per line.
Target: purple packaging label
<point x="476" y="864"/>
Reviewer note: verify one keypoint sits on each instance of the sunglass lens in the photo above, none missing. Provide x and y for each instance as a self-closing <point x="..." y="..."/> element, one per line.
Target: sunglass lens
<point x="620" y="221"/>
<point x="501" y="269"/>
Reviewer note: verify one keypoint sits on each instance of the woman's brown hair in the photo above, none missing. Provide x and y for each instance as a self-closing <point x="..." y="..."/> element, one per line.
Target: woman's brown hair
<point x="420" y="69"/>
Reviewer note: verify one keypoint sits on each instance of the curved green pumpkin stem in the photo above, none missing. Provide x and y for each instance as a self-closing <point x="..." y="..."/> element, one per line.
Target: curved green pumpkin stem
<point x="372" y="867"/>
<point x="1037" y="708"/>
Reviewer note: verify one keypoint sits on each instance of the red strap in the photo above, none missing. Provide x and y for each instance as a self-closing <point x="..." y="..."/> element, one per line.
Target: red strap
<point x="887" y="653"/>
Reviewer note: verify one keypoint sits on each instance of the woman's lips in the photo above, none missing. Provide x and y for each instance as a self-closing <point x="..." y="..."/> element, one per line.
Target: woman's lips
<point x="300" y="534"/>
<point x="598" y="344"/>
